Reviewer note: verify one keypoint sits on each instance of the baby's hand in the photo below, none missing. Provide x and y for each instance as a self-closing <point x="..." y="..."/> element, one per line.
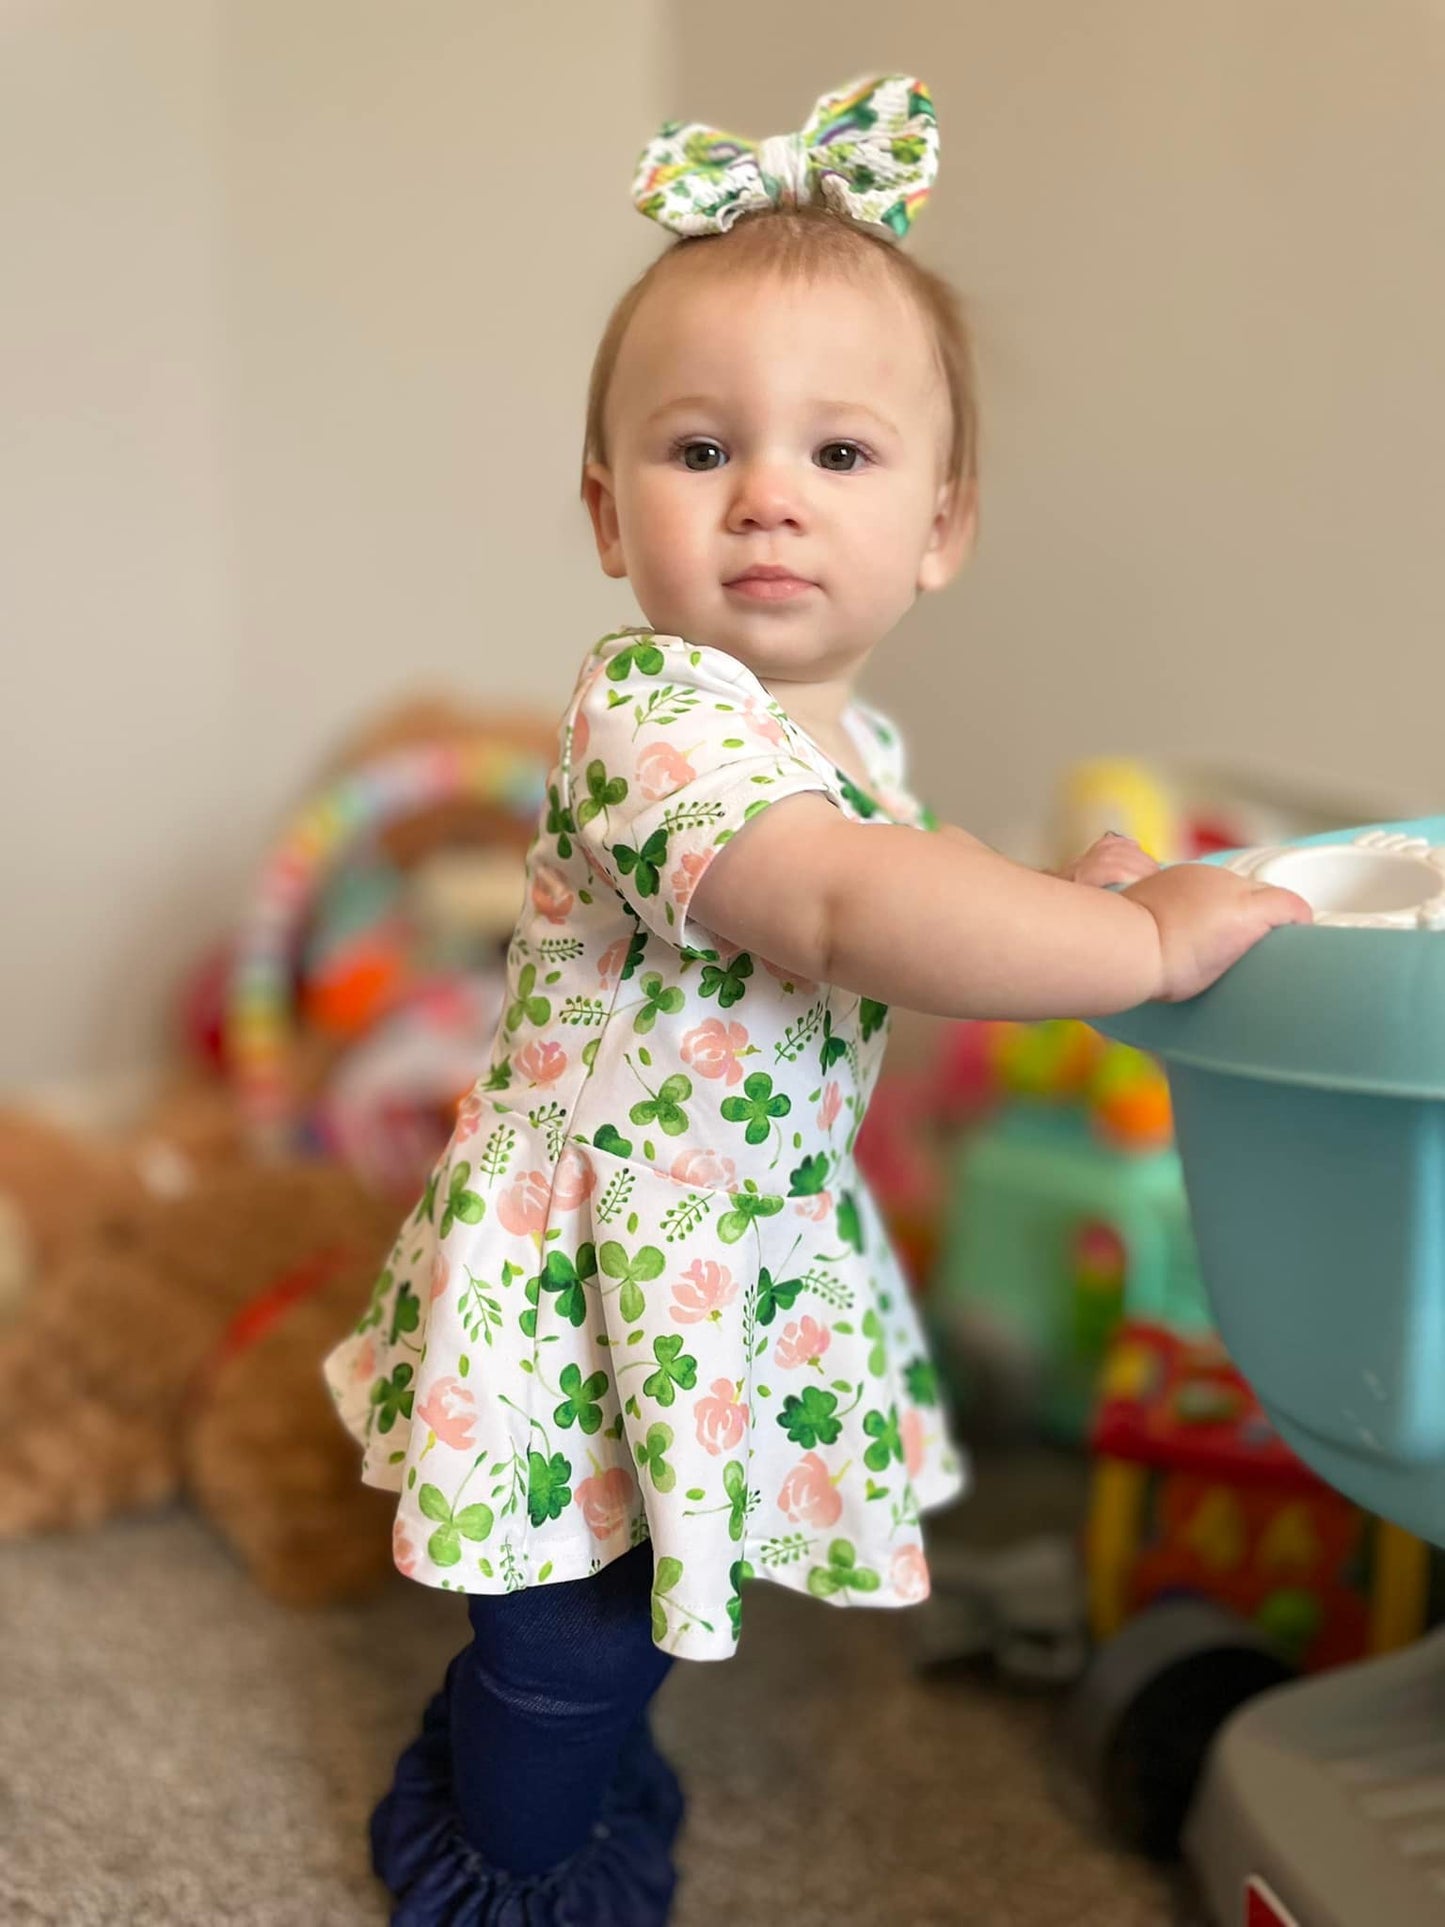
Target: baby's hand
<point x="1113" y="859"/>
<point x="1207" y="919"/>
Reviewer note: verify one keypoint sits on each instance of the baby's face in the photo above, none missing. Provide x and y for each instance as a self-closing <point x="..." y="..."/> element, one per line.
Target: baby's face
<point x="776" y="483"/>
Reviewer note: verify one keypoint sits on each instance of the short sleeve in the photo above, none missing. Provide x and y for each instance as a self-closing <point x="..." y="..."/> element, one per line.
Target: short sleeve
<point x="887" y="761"/>
<point x="669" y="750"/>
<point x="882" y="747"/>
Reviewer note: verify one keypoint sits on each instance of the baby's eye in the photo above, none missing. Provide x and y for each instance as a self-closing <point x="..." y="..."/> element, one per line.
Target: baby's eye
<point x="842" y="458"/>
<point x="701" y="456"/>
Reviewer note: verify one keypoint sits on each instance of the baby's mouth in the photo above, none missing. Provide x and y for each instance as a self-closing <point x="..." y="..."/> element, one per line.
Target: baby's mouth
<point x="769" y="582"/>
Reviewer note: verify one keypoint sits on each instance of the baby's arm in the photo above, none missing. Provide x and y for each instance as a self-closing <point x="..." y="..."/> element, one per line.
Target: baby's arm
<point x="942" y="924"/>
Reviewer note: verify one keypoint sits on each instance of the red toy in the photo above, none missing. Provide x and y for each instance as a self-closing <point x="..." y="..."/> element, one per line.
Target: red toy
<point x="1195" y="1494"/>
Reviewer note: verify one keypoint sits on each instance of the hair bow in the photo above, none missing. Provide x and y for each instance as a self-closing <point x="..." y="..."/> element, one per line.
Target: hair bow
<point x="870" y="152"/>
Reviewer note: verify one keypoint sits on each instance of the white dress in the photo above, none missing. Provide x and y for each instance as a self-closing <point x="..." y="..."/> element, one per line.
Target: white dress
<point x="646" y="1293"/>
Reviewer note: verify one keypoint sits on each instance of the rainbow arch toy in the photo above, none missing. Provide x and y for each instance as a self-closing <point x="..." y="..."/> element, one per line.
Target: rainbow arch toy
<point x="260" y="1020"/>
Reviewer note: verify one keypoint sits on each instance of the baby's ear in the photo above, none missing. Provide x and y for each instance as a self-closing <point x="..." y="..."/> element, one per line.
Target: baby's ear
<point x="597" y="493"/>
<point x="951" y="536"/>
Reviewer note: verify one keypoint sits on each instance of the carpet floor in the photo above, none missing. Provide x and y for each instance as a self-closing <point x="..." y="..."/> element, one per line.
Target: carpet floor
<point x="177" y="1752"/>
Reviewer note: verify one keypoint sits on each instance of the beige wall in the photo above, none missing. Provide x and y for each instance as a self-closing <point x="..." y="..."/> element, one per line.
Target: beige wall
<point x="296" y="304"/>
<point x="116" y="626"/>
<point x="426" y="234"/>
<point x="1203" y="248"/>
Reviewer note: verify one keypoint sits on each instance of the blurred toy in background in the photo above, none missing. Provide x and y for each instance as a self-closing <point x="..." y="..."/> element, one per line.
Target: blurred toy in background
<point x="54" y="1193"/>
<point x="1194" y="1495"/>
<point x="404" y="971"/>
<point x="1065" y="1212"/>
<point x="356" y="1005"/>
<point x="899" y="1152"/>
<point x="944" y="1085"/>
<point x="178" y="1300"/>
<point x="1028" y="1177"/>
<point x="1021" y="1608"/>
<point x="1180" y="809"/>
<point x="1126" y="797"/>
<point x="389" y="1103"/>
<point x="1123" y="1095"/>
<point x="354" y="955"/>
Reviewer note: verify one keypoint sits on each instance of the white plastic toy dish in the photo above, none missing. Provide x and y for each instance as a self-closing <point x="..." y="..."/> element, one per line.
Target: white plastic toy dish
<point x="1381" y="881"/>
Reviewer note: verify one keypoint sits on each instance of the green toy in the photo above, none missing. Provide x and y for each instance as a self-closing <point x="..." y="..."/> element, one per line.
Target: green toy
<point x="1067" y="1210"/>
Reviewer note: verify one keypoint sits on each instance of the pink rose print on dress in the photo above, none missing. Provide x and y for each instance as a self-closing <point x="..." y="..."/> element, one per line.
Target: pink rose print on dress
<point x="469" y="1116"/>
<point x="403" y="1552"/>
<point x="705" y="1169"/>
<point x="609" y="964"/>
<point x="908" y="1575"/>
<point x="522" y="1207"/>
<point x="765" y="727"/>
<point x="448" y="1410"/>
<point x="581" y="736"/>
<point x="809" y="1497"/>
<point x="816" y="1207"/>
<point x="715" y="1049"/>
<point x="831" y="1105"/>
<point x="440" y="1271"/>
<point x="541" y="1063"/>
<point x="606" y="1501"/>
<point x="803" y="1342"/>
<point x="661" y="770"/>
<point x="686" y="877"/>
<point x="702" y="1291"/>
<point x="363" y="1363"/>
<point x="721" y="1418"/>
<point x="550" y="896"/>
<point x="573" y="1180"/>
<point x="910" y="1430"/>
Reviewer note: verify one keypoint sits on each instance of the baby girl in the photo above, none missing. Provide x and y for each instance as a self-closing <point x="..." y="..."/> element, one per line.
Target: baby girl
<point x="643" y="1340"/>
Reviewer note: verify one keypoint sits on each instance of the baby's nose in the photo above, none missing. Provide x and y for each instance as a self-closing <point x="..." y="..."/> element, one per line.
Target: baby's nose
<point x="765" y="497"/>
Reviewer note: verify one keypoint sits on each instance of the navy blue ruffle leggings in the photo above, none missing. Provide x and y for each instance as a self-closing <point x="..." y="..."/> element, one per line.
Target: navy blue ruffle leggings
<point x="556" y="1679"/>
<point x="533" y="1794"/>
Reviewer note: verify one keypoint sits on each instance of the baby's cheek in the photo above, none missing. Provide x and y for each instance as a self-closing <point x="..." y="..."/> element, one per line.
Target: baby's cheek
<point x="668" y="563"/>
<point x="880" y="577"/>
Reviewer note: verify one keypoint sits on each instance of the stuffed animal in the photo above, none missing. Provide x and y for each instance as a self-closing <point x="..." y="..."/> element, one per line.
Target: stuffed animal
<point x="55" y="1191"/>
<point x="170" y="1343"/>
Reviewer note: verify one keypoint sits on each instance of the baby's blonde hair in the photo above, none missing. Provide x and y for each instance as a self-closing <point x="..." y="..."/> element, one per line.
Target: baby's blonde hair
<point x="809" y="242"/>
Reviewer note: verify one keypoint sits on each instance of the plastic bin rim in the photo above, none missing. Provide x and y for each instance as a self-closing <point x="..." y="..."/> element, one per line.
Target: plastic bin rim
<point x="1357" y="1011"/>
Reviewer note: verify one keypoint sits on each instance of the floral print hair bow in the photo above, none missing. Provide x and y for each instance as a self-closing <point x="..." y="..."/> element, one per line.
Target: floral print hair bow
<point x="869" y="151"/>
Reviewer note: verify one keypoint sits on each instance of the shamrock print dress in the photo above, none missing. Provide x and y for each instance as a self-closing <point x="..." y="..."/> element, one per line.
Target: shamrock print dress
<point x="645" y="1293"/>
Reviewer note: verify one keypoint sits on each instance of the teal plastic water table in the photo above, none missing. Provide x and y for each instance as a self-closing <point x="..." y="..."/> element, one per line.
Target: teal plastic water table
<point x="1309" y="1099"/>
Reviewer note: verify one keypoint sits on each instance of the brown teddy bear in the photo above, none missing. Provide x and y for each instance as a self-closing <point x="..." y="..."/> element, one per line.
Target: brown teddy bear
<point x="172" y="1342"/>
<point x="54" y="1188"/>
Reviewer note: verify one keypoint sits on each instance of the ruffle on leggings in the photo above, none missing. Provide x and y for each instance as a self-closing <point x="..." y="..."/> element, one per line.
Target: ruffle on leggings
<point x="622" y="1877"/>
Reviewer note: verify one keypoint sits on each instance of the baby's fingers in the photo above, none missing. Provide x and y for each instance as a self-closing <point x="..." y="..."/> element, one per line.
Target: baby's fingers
<point x="1113" y="859"/>
<point x="1130" y="861"/>
<point x="1281" y="906"/>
